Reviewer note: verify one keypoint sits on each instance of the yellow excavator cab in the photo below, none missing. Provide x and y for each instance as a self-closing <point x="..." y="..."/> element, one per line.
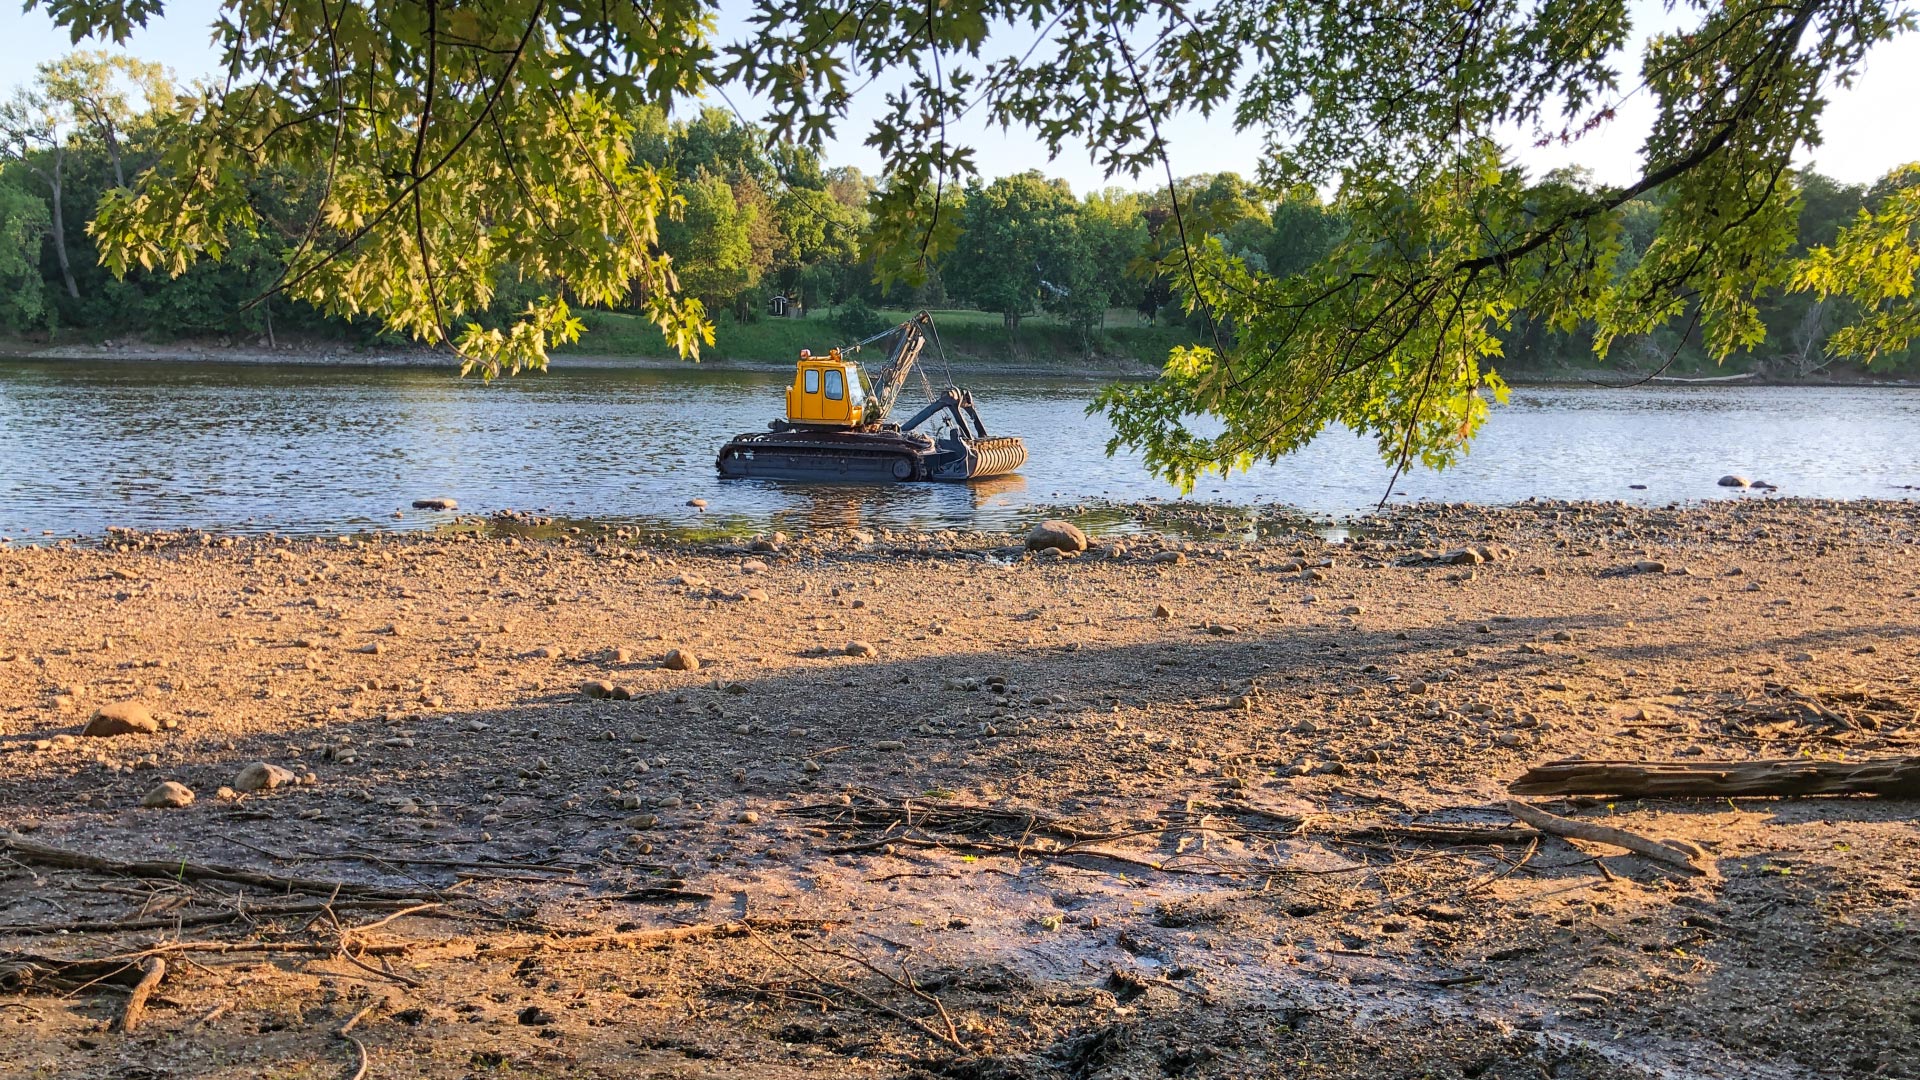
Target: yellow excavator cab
<point x="828" y="391"/>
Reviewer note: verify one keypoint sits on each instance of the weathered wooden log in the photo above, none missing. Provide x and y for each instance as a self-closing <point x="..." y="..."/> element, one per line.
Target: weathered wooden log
<point x="1721" y="779"/>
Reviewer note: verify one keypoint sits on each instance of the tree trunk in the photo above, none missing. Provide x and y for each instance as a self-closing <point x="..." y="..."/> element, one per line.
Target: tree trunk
<point x="113" y="151"/>
<point x="59" y="222"/>
<point x="1721" y="779"/>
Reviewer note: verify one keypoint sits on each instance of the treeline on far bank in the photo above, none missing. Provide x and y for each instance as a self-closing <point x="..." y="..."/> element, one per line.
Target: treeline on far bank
<point x="1037" y="271"/>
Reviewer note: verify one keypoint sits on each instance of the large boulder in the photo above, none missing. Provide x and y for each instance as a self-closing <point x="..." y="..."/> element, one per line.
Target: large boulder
<point x="1734" y="480"/>
<point x="121" y="718"/>
<point x="1057" y="535"/>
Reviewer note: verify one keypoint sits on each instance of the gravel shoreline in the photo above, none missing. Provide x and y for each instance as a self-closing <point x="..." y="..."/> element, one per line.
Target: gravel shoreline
<point x="997" y="814"/>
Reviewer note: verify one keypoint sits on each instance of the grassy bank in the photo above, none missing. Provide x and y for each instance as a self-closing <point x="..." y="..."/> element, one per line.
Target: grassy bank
<point x="969" y="336"/>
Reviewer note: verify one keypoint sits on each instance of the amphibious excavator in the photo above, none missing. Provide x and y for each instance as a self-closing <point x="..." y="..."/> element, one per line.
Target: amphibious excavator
<point x="838" y="424"/>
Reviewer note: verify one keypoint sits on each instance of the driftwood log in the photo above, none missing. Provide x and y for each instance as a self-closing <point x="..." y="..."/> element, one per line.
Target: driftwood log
<point x="1721" y="779"/>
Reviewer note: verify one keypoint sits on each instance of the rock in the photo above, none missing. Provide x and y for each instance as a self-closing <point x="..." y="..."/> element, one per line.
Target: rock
<point x="1735" y="480"/>
<point x="1057" y="535"/>
<point x="889" y="744"/>
<point x="749" y="817"/>
<point x="261" y="776"/>
<point x="596" y="688"/>
<point x="168" y="795"/>
<point x="1221" y="629"/>
<point x="1649" y="566"/>
<point x="1161" y="611"/>
<point x="121" y="718"/>
<point x="861" y="649"/>
<point x="1442" y="913"/>
<point x="436" y="504"/>
<point x="682" y="660"/>
<point x="1463" y="557"/>
<point x="1168" y="558"/>
<point x="642" y="821"/>
<point x="753" y="566"/>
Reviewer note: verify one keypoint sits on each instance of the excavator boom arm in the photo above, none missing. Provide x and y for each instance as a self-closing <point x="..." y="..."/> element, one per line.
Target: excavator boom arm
<point x="909" y="339"/>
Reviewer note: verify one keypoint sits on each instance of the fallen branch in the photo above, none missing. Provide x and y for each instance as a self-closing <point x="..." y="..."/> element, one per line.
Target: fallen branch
<point x="297" y="947"/>
<point x="1671" y="852"/>
<point x="949" y="1037"/>
<point x="154" y="970"/>
<point x="163" y="922"/>
<point x="1898" y="776"/>
<point x="27" y="851"/>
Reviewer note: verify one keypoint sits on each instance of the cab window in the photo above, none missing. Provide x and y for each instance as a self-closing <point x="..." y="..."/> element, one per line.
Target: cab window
<point x="813" y="381"/>
<point x="836" y="385"/>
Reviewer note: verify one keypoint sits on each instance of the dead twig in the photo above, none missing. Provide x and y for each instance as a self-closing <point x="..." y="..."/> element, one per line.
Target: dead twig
<point x="366" y="1011"/>
<point x="904" y="981"/>
<point x="1671" y="852"/>
<point x="931" y="1032"/>
<point x="153" y="970"/>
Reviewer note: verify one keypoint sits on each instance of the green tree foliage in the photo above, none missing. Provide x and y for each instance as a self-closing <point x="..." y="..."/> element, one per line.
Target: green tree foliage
<point x="33" y="136"/>
<point x="23" y="228"/>
<point x="711" y="240"/>
<point x="1017" y="243"/>
<point x="108" y="95"/>
<point x="1875" y="262"/>
<point x="1100" y="259"/>
<point x="443" y="149"/>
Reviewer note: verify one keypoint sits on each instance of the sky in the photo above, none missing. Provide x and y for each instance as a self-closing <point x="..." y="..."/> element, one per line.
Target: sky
<point x="1870" y="127"/>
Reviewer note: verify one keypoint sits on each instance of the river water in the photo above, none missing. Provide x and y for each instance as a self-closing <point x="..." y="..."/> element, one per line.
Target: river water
<point x="303" y="449"/>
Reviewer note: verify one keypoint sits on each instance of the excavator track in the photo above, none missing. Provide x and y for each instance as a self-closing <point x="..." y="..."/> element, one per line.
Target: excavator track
<point x="866" y="457"/>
